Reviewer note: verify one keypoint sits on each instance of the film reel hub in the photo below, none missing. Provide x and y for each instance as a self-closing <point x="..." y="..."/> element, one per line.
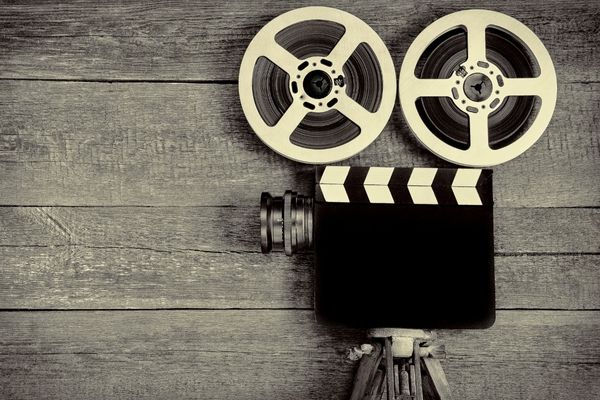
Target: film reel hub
<point x="478" y="87"/>
<point x="317" y="84"/>
<point x="478" y="90"/>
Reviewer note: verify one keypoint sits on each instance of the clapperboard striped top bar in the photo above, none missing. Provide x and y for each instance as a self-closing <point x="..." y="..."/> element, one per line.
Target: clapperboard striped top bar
<point x="386" y="185"/>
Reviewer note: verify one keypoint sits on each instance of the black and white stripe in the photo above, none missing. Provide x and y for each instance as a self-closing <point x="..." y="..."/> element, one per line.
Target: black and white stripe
<point x="384" y="185"/>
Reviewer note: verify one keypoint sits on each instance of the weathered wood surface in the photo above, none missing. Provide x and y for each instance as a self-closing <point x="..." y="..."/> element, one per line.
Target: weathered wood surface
<point x="276" y="354"/>
<point x="237" y="229"/>
<point x="199" y="41"/>
<point x="83" y="277"/>
<point x="126" y="103"/>
<point x="65" y="143"/>
<point x="208" y="257"/>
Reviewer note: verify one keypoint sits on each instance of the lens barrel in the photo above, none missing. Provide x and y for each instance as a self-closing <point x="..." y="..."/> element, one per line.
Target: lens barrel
<point x="286" y="222"/>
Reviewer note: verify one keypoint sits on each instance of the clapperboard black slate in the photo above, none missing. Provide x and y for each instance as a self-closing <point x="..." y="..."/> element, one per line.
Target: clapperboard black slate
<point x="404" y="247"/>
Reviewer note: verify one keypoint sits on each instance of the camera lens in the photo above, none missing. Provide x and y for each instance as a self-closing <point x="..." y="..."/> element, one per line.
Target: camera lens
<point x="286" y="222"/>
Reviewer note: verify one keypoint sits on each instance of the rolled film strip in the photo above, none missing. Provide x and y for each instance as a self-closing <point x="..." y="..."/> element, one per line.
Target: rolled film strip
<point x="477" y="88"/>
<point x="317" y="85"/>
<point x="410" y="186"/>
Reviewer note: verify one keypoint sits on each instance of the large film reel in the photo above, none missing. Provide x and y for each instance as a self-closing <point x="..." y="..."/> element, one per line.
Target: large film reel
<point x="477" y="88"/>
<point x="317" y="85"/>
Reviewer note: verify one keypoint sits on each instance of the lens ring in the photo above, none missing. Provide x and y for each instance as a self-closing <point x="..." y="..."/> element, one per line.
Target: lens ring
<point x="266" y="223"/>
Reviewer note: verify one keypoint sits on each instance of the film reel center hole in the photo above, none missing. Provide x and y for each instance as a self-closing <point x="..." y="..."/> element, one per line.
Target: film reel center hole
<point x="317" y="84"/>
<point x="478" y="87"/>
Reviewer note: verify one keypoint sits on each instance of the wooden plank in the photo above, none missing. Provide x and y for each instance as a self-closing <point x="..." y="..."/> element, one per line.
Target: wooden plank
<point x="276" y="354"/>
<point x="80" y="277"/>
<point x="179" y="40"/>
<point x="553" y="282"/>
<point x="160" y="144"/>
<point x="237" y="229"/>
<point x="66" y="143"/>
<point x="83" y="277"/>
<point x="568" y="230"/>
<point x="208" y="257"/>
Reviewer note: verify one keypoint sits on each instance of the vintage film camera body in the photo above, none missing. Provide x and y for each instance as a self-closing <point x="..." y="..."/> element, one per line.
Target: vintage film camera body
<point x="393" y="247"/>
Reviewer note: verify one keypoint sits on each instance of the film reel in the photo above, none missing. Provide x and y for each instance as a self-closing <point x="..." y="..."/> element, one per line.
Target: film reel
<point x="477" y="88"/>
<point x="317" y="85"/>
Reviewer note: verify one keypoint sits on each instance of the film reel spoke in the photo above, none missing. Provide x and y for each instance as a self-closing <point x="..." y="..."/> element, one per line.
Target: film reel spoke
<point x="430" y="87"/>
<point x="476" y="48"/>
<point x="354" y="112"/>
<point x="288" y="122"/>
<point x="280" y="57"/>
<point x="344" y="47"/>
<point x="478" y="132"/>
<point x="525" y="87"/>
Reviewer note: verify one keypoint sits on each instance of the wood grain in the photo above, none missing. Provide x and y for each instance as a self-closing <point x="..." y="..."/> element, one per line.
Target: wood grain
<point x="208" y="257"/>
<point x="130" y="109"/>
<point x="237" y="229"/>
<point x="180" y="40"/>
<point x="83" y="277"/>
<point x="66" y="143"/>
<point x="185" y="354"/>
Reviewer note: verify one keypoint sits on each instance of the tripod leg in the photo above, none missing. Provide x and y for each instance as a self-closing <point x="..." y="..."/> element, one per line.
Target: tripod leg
<point x="417" y="362"/>
<point x="366" y="372"/>
<point x="438" y="378"/>
<point x="389" y="368"/>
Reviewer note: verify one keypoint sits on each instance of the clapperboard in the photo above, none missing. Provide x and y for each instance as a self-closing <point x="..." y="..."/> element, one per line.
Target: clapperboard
<point x="404" y="247"/>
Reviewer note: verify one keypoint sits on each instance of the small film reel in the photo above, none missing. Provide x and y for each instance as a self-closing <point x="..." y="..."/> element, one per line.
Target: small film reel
<point x="317" y="85"/>
<point x="477" y="88"/>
